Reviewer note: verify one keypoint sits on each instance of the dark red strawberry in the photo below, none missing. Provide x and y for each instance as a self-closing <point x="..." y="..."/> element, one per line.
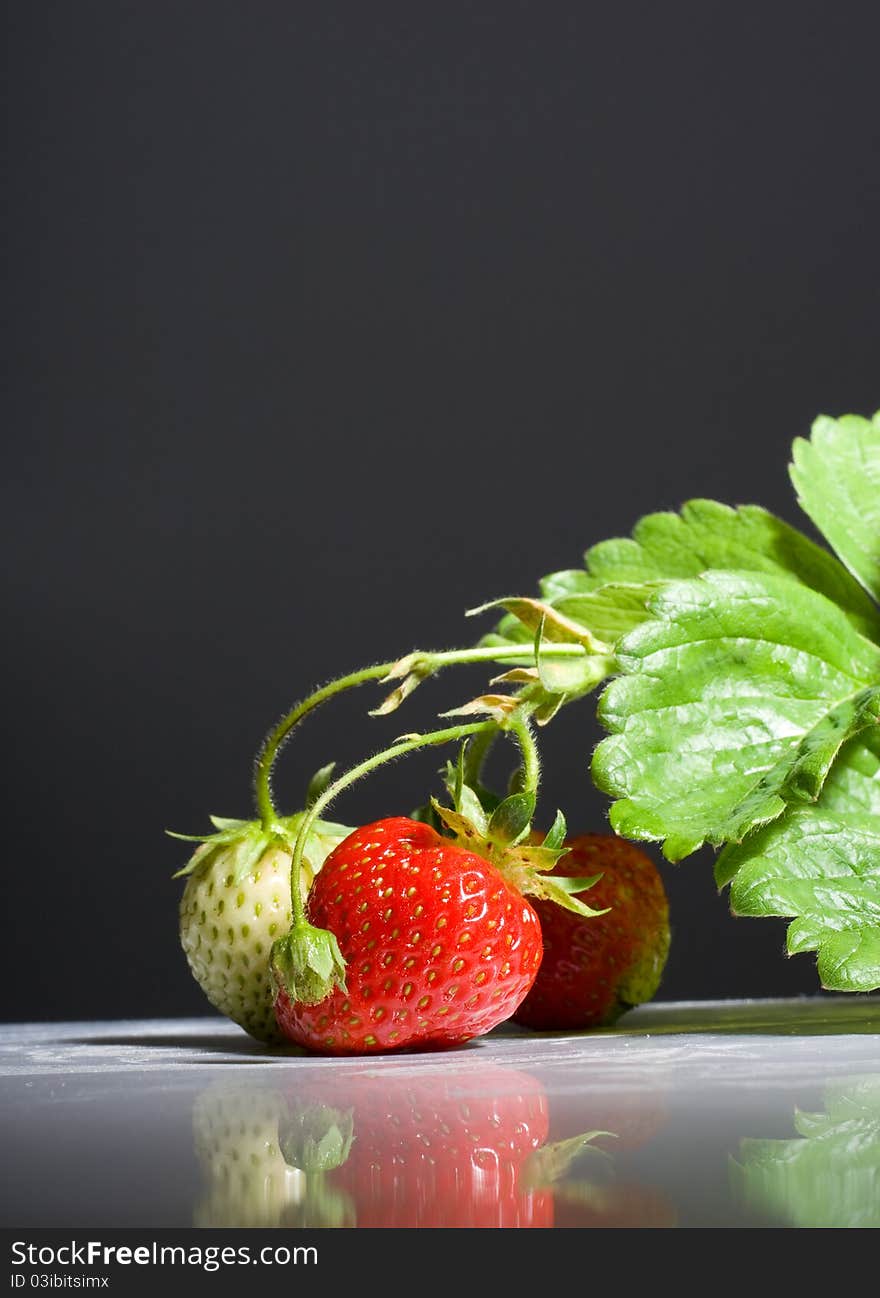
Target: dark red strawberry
<point x="595" y="969"/>
<point x="439" y="947"/>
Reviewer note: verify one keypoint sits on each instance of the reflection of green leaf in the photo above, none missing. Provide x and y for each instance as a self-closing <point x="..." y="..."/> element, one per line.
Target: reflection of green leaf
<point x="820" y="864"/>
<point x="837" y="477"/>
<point x="738" y="694"/>
<point x="830" y="1175"/>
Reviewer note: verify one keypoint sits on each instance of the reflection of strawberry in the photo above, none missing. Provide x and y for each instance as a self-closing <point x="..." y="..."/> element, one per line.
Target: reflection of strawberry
<point x="446" y="1149"/>
<point x="594" y="969"/>
<point x="247" y="1180"/>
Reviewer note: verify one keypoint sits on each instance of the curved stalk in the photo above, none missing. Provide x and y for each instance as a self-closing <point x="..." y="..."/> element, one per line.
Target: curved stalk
<point x="400" y="749"/>
<point x="426" y="663"/>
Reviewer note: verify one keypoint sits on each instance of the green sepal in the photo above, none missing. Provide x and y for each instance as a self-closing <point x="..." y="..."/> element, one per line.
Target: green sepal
<point x="247" y="852"/>
<point x="456" y="780"/>
<point x="546" y="706"/>
<point x="512" y="818"/>
<point x="222" y="836"/>
<point x="460" y="826"/>
<point x="518" y="676"/>
<point x="537" y="856"/>
<point x="225" y="822"/>
<point x="555" y="887"/>
<point x="555" y="836"/>
<point x="523" y="864"/>
<point x="465" y="800"/>
<point x="319" y="783"/>
<point x="410" y="671"/>
<point x="571" y="886"/>
<point x="307" y="964"/>
<point x="247" y="841"/>
<point x="557" y="627"/>
<point x="315" y="1137"/>
<point x="498" y="706"/>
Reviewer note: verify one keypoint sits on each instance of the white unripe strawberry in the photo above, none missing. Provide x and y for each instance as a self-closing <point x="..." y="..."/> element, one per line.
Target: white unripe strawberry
<point x="235" y="904"/>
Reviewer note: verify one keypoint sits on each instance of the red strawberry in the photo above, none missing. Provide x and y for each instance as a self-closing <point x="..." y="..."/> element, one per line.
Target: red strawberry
<point x="595" y="969"/>
<point x="439" y="947"/>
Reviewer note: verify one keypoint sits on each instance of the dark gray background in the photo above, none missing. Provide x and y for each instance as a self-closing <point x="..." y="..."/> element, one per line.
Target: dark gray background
<point x="330" y="321"/>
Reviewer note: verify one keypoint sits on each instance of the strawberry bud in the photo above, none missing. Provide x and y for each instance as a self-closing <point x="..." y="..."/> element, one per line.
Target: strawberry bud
<point x="307" y="964"/>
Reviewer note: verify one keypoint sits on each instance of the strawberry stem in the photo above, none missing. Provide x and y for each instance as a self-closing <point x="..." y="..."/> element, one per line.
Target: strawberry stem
<point x="420" y="664"/>
<point x="406" y="745"/>
<point x="277" y="737"/>
<point x="520" y="726"/>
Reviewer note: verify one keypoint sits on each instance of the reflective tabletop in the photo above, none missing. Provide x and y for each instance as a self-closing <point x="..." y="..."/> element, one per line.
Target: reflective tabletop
<point x="762" y="1113"/>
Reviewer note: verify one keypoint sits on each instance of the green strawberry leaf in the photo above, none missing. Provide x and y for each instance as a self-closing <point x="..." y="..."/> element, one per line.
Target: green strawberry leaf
<point x="610" y="610"/>
<point x="572" y="581"/>
<point x="735" y="698"/>
<point x="597" y="606"/>
<point x="707" y="534"/>
<point x="837" y="478"/>
<point x="820" y="865"/>
<point x="829" y="1177"/>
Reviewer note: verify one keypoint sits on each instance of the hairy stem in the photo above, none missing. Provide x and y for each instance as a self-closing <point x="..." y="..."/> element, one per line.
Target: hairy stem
<point x="521" y="727"/>
<point x="276" y="738"/>
<point x="426" y="662"/>
<point x="400" y="749"/>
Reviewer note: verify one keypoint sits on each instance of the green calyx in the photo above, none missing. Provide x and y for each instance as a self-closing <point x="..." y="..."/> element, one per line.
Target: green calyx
<point x="307" y="964"/>
<point x="247" y="841"/>
<point x="504" y="836"/>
